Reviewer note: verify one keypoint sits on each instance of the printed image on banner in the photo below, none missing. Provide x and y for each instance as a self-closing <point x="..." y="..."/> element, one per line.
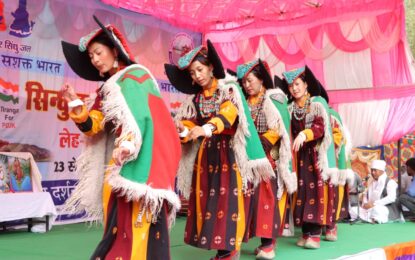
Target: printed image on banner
<point x="14" y="175"/>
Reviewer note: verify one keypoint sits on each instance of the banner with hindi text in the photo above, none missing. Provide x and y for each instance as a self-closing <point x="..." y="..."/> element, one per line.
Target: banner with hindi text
<point x="33" y="116"/>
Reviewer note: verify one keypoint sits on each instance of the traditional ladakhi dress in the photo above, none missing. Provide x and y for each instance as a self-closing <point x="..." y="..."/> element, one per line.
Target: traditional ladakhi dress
<point x="214" y="172"/>
<point x="266" y="203"/>
<point x="315" y="161"/>
<point x="137" y="201"/>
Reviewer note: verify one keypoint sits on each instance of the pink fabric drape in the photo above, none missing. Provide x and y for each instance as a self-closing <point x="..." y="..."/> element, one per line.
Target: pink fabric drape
<point x="381" y="68"/>
<point x="336" y="36"/>
<point x="375" y="35"/>
<point x="286" y="57"/>
<point x="293" y="31"/>
<point x="398" y="60"/>
<point x="383" y="34"/>
<point x="206" y="16"/>
<point x="382" y="41"/>
<point x="391" y="68"/>
<point x="361" y="95"/>
<point x="401" y="119"/>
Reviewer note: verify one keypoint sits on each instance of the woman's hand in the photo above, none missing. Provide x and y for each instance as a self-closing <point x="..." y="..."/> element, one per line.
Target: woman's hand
<point x="119" y="155"/>
<point x="179" y="126"/>
<point x="68" y="93"/>
<point x="299" y="141"/>
<point x="196" y="132"/>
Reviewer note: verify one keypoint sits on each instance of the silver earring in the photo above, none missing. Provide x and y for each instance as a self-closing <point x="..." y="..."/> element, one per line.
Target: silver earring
<point x="211" y="74"/>
<point x="115" y="65"/>
<point x="101" y="74"/>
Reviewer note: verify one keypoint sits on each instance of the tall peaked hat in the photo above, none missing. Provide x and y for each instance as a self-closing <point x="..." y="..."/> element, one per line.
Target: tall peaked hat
<point x="231" y="72"/>
<point x="314" y="86"/>
<point x="180" y="77"/>
<point x="281" y="83"/>
<point x="243" y="70"/>
<point x="323" y="93"/>
<point x="79" y="60"/>
<point x="291" y="75"/>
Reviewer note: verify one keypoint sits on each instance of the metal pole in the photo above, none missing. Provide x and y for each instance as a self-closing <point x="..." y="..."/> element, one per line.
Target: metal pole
<point x="399" y="166"/>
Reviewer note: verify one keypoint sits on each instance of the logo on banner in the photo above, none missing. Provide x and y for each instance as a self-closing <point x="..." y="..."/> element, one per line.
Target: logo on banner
<point x="181" y="43"/>
<point x="9" y="92"/>
<point x="21" y="26"/>
<point x="9" y="95"/>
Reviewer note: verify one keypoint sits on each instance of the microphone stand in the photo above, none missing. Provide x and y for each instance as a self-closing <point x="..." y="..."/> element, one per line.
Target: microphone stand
<point x="360" y="189"/>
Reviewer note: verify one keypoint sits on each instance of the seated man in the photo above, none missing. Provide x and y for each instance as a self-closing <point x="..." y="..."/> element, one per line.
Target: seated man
<point x="407" y="199"/>
<point x="379" y="202"/>
<point x="405" y="179"/>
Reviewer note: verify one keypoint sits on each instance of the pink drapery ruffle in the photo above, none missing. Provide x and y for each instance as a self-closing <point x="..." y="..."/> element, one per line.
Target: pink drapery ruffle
<point x="373" y="37"/>
<point x="361" y="95"/>
<point x="295" y="31"/>
<point x="206" y="16"/>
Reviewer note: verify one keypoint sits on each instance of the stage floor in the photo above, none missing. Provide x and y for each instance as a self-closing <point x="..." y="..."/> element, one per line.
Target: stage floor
<point x="77" y="241"/>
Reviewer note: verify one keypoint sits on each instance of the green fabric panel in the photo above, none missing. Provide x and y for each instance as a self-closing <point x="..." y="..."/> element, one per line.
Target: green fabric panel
<point x="341" y="161"/>
<point x="285" y="115"/>
<point x="253" y="146"/>
<point x="331" y="153"/>
<point x="136" y="97"/>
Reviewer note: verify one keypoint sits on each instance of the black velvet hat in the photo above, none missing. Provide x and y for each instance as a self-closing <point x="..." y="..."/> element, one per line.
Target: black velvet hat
<point x="323" y="93"/>
<point x="282" y="84"/>
<point x="79" y="60"/>
<point x="180" y="77"/>
<point x="231" y="72"/>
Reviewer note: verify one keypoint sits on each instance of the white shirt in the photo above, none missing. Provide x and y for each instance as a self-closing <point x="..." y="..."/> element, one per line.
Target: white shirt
<point x="375" y="190"/>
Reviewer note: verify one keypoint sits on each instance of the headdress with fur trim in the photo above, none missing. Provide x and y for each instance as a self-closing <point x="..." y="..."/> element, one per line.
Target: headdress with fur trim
<point x="180" y="77"/>
<point x="79" y="60"/>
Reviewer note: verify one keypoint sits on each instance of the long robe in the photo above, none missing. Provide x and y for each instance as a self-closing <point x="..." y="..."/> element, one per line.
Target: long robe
<point x="136" y="201"/>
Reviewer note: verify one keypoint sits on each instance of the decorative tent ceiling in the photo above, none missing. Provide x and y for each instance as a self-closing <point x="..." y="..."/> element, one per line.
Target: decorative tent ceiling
<point x="354" y="47"/>
<point x="205" y="16"/>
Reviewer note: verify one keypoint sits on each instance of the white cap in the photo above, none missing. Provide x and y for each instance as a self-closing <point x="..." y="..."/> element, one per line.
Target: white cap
<point x="378" y="165"/>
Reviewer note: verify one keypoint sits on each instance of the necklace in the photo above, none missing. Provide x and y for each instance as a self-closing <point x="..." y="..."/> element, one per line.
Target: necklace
<point x="256" y="108"/>
<point x="300" y="112"/>
<point x="208" y="107"/>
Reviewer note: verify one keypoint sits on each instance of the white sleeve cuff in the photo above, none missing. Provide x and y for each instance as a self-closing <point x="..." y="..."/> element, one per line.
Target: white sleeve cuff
<point x="184" y="133"/>
<point x="75" y="103"/>
<point x="208" y="128"/>
<point x="129" y="145"/>
<point x="303" y="136"/>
